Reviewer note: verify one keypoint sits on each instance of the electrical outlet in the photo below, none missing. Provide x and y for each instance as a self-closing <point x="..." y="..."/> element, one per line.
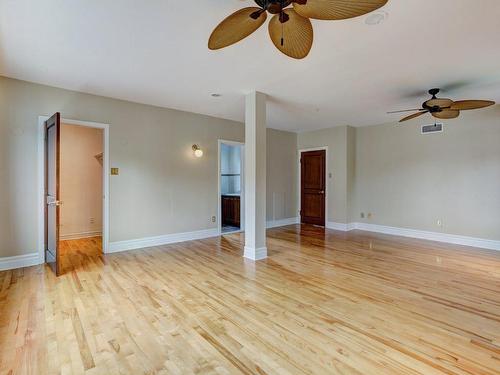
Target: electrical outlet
<point x="213" y="219"/>
<point x="92" y="220"/>
<point x="330" y="175"/>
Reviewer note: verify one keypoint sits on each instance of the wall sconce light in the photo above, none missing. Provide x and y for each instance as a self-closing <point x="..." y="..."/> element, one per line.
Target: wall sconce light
<point x="198" y="152"/>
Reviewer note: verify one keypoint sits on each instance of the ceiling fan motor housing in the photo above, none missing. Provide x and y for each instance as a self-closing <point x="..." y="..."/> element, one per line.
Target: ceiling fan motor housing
<point x="431" y="109"/>
<point x="434" y="108"/>
<point x="434" y="92"/>
<point x="273" y="6"/>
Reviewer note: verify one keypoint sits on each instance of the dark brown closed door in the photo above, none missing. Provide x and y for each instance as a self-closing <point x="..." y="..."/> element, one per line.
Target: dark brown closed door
<point x="313" y="187"/>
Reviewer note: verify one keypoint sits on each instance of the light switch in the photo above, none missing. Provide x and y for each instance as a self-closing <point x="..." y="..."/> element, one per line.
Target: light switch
<point x="115" y="171"/>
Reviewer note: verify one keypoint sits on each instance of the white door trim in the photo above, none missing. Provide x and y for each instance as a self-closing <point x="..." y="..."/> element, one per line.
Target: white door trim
<point x="41" y="181"/>
<point x="242" y="184"/>
<point x="327" y="182"/>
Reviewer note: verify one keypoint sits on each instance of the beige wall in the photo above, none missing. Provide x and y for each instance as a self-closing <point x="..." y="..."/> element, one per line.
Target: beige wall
<point x="410" y="180"/>
<point x="81" y="181"/>
<point x="351" y="171"/>
<point x="281" y="175"/>
<point x="162" y="188"/>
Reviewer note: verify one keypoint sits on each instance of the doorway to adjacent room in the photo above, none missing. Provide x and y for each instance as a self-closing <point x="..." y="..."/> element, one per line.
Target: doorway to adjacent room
<point x="231" y="187"/>
<point x="74" y="191"/>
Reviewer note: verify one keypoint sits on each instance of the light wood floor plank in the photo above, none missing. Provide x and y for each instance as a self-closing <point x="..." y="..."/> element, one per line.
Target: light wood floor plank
<point x="324" y="302"/>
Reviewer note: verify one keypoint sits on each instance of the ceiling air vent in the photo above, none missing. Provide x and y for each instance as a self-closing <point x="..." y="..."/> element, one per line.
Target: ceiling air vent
<point x="434" y="128"/>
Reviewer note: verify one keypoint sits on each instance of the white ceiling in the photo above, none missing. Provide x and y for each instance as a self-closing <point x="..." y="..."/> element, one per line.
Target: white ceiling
<point x="155" y="52"/>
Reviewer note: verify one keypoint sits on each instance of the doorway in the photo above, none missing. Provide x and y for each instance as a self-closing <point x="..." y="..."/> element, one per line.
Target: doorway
<point x="313" y="187"/>
<point x="231" y="187"/>
<point x="81" y="185"/>
<point x="74" y="191"/>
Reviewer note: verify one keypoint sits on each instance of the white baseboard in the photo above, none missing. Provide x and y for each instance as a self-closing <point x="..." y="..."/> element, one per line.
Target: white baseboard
<point x="421" y="234"/>
<point x="351" y="226"/>
<point x="282" y="222"/>
<point x="19" y="261"/>
<point x="33" y="259"/>
<point x="255" y="253"/>
<point x="115" y="247"/>
<point x="338" y="226"/>
<point x="77" y="236"/>
<point x="432" y="236"/>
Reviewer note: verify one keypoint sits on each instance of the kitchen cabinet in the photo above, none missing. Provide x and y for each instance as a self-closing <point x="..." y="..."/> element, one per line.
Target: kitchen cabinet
<point x="230" y="210"/>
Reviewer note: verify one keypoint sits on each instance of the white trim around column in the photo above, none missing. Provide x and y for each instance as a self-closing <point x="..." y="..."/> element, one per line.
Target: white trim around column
<point x="258" y="253"/>
<point x="255" y="176"/>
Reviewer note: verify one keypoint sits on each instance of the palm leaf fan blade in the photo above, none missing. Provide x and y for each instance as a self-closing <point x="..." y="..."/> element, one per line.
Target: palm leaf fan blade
<point x="412" y="116"/>
<point x="446" y="114"/>
<point x="336" y="9"/>
<point x="294" y="37"/>
<point x="463" y="105"/>
<point x="236" y="27"/>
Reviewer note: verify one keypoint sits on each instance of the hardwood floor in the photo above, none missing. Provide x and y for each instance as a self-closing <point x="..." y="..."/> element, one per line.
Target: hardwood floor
<point x="324" y="302"/>
<point x="76" y="254"/>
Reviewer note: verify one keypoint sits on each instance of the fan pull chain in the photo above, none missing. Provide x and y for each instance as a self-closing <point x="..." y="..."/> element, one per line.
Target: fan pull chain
<point x="282" y="15"/>
<point x="282" y="33"/>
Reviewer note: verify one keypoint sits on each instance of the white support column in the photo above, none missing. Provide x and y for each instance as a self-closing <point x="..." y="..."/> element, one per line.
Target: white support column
<point x="255" y="176"/>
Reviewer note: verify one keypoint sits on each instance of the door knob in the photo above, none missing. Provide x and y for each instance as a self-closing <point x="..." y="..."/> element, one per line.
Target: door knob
<point x="322" y="192"/>
<point x="51" y="201"/>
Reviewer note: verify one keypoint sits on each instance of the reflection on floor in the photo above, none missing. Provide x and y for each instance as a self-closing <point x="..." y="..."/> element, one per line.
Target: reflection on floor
<point x="324" y="302"/>
<point x="229" y="228"/>
<point x="77" y="253"/>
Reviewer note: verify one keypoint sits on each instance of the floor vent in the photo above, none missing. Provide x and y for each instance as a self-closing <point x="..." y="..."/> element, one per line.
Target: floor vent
<point x="434" y="128"/>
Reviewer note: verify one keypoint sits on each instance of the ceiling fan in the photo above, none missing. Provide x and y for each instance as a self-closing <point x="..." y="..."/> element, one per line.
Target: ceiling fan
<point x="444" y="108"/>
<point x="290" y="29"/>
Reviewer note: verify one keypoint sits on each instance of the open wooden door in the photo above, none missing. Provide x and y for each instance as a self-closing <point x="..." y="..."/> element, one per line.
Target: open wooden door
<point x="313" y="186"/>
<point x="52" y="194"/>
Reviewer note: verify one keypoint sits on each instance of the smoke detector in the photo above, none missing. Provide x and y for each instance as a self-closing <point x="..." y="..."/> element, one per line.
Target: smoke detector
<point x="376" y="18"/>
